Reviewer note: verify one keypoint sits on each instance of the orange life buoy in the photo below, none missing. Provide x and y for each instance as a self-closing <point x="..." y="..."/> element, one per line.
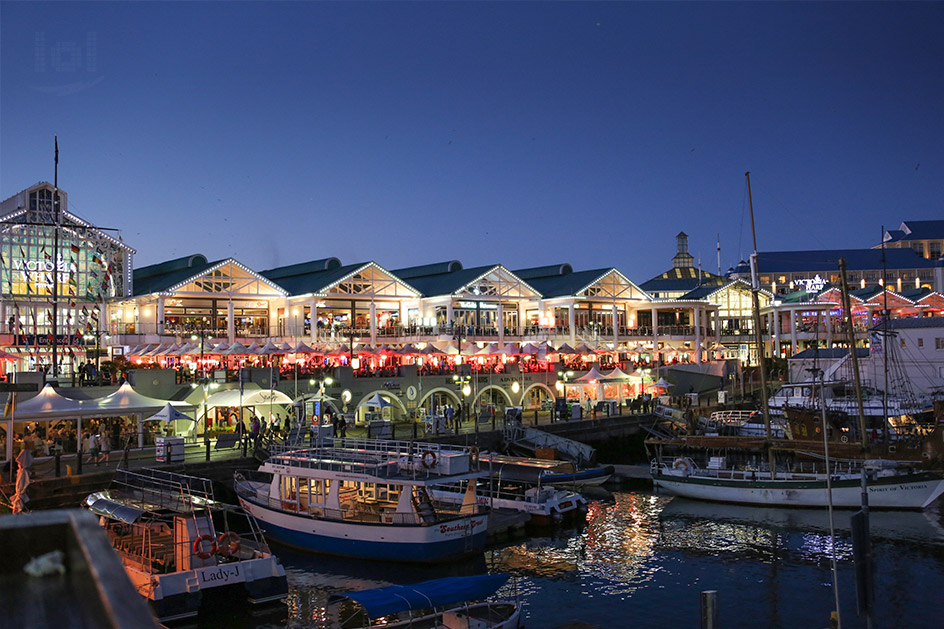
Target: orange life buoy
<point x="229" y="544"/>
<point x="429" y="459"/>
<point x="198" y="549"/>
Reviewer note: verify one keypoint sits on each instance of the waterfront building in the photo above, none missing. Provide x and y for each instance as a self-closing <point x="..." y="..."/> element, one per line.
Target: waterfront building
<point x="57" y="273"/>
<point x="188" y="296"/>
<point x="783" y="272"/>
<point x="925" y="238"/>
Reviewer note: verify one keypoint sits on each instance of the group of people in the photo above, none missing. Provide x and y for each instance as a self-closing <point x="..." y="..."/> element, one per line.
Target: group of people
<point x="259" y="429"/>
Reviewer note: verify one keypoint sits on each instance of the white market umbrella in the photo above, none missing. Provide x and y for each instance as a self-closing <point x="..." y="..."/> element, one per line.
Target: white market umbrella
<point x="168" y="414"/>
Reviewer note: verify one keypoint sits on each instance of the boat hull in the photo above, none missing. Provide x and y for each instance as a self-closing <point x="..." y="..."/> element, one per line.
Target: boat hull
<point x="911" y="491"/>
<point x="582" y="478"/>
<point x="433" y="543"/>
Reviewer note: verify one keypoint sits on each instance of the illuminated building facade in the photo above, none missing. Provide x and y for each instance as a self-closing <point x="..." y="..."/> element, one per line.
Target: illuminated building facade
<point x="57" y="273"/>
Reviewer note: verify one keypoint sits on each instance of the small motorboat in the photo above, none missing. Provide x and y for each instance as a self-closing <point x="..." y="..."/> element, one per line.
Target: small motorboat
<point x="450" y="603"/>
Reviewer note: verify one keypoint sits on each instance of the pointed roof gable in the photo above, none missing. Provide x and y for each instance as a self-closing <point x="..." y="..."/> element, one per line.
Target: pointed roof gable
<point x="168" y="277"/>
<point x="328" y="277"/>
<point x="475" y="282"/>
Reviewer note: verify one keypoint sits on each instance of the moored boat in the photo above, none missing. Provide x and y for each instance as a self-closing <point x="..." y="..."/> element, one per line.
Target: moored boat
<point x="375" y="502"/>
<point x="449" y="603"/>
<point x="176" y="542"/>
<point x="889" y="486"/>
<point x="547" y="471"/>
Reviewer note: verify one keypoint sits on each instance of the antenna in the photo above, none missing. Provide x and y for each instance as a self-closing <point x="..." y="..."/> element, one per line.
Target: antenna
<point x="719" y="253"/>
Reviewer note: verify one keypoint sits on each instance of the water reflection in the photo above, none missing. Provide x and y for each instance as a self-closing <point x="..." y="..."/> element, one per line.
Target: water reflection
<point x="645" y="557"/>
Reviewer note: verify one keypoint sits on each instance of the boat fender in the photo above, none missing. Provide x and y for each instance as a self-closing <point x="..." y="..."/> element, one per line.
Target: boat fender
<point x="428" y="459"/>
<point x="198" y="548"/>
<point x="844" y="438"/>
<point x="682" y="465"/>
<point x="229" y="544"/>
<point x="475" y="456"/>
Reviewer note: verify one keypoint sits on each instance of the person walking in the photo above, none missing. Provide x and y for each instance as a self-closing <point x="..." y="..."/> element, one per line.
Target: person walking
<point x="104" y="440"/>
<point x="254" y="431"/>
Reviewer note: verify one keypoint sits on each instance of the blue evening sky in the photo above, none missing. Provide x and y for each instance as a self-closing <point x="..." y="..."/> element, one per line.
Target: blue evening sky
<point x="515" y="133"/>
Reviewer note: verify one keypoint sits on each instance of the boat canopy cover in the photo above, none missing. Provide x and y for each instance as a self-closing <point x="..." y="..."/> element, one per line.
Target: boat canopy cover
<point x="397" y="598"/>
<point x="116" y="510"/>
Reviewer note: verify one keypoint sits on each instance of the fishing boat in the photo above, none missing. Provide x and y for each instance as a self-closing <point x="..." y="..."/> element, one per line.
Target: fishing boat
<point x="372" y="502"/>
<point x="450" y="603"/>
<point x="890" y="486"/>
<point x="177" y="542"/>
<point x="547" y="471"/>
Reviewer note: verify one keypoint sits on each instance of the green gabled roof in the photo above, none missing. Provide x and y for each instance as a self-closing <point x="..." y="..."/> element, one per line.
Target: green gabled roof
<point x="544" y="271"/>
<point x="446" y="283"/>
<point x="303" y="268"/>
<point x="158" y="278"/>
<point x="567" y="285"/>
<point x="916" y="294"/>
<point x="312" y="281"/>
<point x="437" y="268"/>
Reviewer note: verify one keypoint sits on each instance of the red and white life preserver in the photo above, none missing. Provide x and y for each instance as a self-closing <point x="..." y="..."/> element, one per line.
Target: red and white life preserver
<point x="428" y="459"/>
<point x="198" y="548"/>
<point x="229" y="544"/>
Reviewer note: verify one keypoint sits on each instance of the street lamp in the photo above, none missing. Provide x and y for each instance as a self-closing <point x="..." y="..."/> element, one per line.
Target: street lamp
<point x="322" y="383"/>
<point x="201" y="335"/>
<point x="562" y="379"/>
<point x="462" y="386"/>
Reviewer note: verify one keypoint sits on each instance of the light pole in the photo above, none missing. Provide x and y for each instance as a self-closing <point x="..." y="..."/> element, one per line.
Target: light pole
<point x="562" y="379"/>
<point x="97" y="335"/>
<point x="463" y="387"/>
<point x="321" y="393"/>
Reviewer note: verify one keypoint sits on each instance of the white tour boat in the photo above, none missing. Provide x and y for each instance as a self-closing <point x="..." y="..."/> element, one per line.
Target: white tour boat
<point x="890" y="486"/>
<point x="176" y="542"/>
<point x="372" y="502"/>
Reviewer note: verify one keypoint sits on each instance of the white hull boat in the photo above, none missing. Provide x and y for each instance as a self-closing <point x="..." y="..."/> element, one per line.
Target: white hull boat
<point x="377" y="503"/>
<point x="888" y="488"/>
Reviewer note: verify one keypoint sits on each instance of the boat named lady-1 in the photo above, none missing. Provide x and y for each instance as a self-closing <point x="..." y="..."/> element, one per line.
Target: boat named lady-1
<point x="176" y="542"/>
<point x="371" y="503"/>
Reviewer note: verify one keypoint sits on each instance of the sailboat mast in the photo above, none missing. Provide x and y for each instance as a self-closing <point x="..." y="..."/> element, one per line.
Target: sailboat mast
<point x="847" y="307"/>
<point x="55" y="263"/>
<point x="755" y="289"/>
<point x="884" y="336"/>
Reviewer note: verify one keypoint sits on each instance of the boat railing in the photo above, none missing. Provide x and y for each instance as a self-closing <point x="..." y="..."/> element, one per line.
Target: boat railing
<point x="352" y="509"/>
<point x="152" y="488"/>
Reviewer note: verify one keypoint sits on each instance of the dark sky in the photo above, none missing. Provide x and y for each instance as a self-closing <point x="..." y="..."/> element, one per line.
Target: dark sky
<point x="515" y="133"/>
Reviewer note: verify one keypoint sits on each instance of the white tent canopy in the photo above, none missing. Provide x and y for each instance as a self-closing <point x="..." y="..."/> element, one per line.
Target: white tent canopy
<point x="250" y="397"/>
<point x="375" y="401"/>
<point x="48" y="404"/>
<point x="127" y="399"/>
<point x="168" y="414"/>
<point x="617" y="375"/>
<point x="591" y="376"/>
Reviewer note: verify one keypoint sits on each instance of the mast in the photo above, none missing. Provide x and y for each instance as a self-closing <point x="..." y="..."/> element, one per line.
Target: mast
<point x="755" y="290"/>
<point x="884" y="340"/>
<point x="55" y="257"/>
<point x="846" y="305"/>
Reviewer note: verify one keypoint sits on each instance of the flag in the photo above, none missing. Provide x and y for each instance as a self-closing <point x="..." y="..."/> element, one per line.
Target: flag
<point x="74" y="248"/>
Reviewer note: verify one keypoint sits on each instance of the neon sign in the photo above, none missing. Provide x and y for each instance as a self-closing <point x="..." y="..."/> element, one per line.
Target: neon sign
<point x="813" y="285"/>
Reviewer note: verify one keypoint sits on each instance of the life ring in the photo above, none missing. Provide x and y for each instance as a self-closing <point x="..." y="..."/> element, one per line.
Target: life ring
<point x="198" y="549"/>
<point x="428" y="459"/>
<point x="683" y="465"/>
<point x="844" y="439"/>
<point x="229" y="544"/>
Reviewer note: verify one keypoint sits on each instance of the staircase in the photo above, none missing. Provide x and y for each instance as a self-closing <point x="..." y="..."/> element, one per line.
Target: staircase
<point x="424" y="505"/>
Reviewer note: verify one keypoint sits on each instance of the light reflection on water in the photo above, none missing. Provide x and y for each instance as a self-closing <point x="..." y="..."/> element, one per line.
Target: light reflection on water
<point x="641" y="560"/>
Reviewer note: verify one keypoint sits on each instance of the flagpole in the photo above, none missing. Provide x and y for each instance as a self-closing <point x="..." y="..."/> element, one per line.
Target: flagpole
<point x="55" y="263"/>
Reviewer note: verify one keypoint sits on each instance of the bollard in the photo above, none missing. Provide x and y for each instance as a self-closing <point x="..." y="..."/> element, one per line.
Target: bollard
<point x="78" y="460"/>
<point x="535" y="417"/>
<point x="58" y="463"/>
<point x="709" y="609"/>
<point x="207" y="447"/>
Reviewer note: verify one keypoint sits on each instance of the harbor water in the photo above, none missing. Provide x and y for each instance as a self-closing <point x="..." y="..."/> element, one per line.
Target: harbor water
<point x="642" y="560"/>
